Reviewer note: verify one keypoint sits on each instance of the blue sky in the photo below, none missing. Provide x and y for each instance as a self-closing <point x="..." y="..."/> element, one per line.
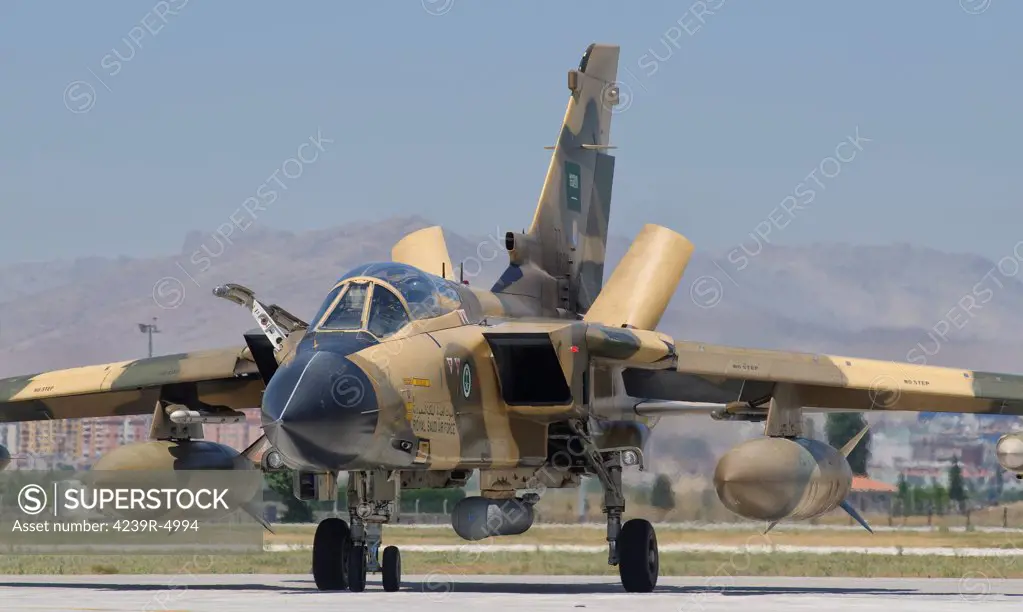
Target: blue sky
<point x="446" y="116"/>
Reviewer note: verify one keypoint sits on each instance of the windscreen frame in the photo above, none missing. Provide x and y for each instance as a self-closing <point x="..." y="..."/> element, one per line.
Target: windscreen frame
<point x="373" y="283"/>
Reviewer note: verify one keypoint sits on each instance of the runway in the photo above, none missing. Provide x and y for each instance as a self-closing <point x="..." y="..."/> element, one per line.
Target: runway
<point x="442" y="593"/>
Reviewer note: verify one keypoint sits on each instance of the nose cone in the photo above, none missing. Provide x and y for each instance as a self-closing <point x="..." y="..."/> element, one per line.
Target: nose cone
<point x="320" y="410"/>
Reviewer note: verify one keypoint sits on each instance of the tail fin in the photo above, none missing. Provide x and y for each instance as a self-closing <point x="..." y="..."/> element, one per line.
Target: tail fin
<point x="853" y="442"/>
<point x="426" y="250"/>
<point x="570" y="223"/>
<point x="846" y="450"/>
<point x="851" y="511"/>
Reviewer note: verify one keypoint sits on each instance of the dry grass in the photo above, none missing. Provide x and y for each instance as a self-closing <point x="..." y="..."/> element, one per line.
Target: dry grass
<point x="445" y="566"/>
<point x="740" y="535"/>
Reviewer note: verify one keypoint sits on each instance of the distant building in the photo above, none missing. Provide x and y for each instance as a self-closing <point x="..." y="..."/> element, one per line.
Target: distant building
<point x="923" y="447"/>
<point x="970" y="450"/>
<point x="9" y="437"/>
<point x="869" y="495"/>
<point x="923" y="473"/>
<point x="238" y="435"/>
<point x="102" y="435"/>
<point x="81" y="442"/>
<point x="51" y="438"/>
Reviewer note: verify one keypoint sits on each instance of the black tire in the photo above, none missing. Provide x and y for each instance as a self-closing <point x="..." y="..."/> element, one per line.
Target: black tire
<point x="330" y="548"/>
<point x="391" y="569"/>
<point x="357" y="569"/>
<point x="638" y="559"/>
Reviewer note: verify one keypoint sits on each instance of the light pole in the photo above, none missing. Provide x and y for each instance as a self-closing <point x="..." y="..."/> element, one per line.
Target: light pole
<point x="150" y="329"/>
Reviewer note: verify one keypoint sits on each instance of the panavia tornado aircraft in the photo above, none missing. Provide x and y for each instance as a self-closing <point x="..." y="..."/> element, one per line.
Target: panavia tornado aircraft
<point x="408" y="378"/>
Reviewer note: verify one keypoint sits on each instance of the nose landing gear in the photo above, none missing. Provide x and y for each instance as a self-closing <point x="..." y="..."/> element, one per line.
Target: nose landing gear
<point x="638" y="559"/>
<point x="357" y="562"/>
<point x="343" y="555"/>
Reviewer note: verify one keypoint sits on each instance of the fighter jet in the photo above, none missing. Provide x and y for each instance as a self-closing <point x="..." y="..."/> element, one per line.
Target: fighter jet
<point x="409" y="378"/>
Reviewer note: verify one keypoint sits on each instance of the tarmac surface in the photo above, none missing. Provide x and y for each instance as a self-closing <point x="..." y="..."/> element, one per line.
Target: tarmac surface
<point x="442" y="593"/>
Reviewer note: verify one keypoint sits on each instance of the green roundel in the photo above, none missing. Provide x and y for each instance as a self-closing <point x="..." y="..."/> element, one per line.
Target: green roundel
<point x="466" y="381"/>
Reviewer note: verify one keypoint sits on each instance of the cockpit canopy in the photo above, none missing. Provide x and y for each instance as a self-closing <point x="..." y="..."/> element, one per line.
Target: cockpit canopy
<point x="381" y="298"/>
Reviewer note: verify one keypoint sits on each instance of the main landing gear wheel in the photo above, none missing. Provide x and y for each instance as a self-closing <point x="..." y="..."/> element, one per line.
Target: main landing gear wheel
<point x="357" y="569"/>
<point x="391" y="569"/>
<point x="638" y="559"/>
<point x="330" y="555"/>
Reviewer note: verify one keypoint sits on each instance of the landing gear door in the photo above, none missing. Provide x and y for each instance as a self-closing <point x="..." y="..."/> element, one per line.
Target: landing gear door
<point x="315" y="486"/>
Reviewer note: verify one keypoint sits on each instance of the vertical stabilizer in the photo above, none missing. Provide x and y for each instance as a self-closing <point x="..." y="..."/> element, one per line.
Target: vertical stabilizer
<point x="570" y="224"/>
<point x="425" y="249"/>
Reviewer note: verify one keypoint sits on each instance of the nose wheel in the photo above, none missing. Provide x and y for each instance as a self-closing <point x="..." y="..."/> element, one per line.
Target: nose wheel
<point x="391" y="569"/>
<point x="339" y="564"/>
<point x="357" y="569"/>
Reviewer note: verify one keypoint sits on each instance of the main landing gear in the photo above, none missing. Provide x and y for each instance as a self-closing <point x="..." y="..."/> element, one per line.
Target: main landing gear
<point x="638" y="559"/>
<point x="332" y="547"/>
<point x="343" y="555"/>
<point x="632" y="546"/>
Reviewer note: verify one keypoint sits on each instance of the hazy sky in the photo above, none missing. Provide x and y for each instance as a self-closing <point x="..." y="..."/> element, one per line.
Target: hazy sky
<point x="442" y="108"/>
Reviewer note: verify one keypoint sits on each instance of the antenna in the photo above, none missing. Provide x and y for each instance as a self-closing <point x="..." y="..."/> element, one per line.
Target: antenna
<point x="443" y="271"/>
<point x="461" y="273"/>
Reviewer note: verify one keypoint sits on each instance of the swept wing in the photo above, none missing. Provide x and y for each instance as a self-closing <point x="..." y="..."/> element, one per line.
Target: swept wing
<point x="203" y="381"/>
